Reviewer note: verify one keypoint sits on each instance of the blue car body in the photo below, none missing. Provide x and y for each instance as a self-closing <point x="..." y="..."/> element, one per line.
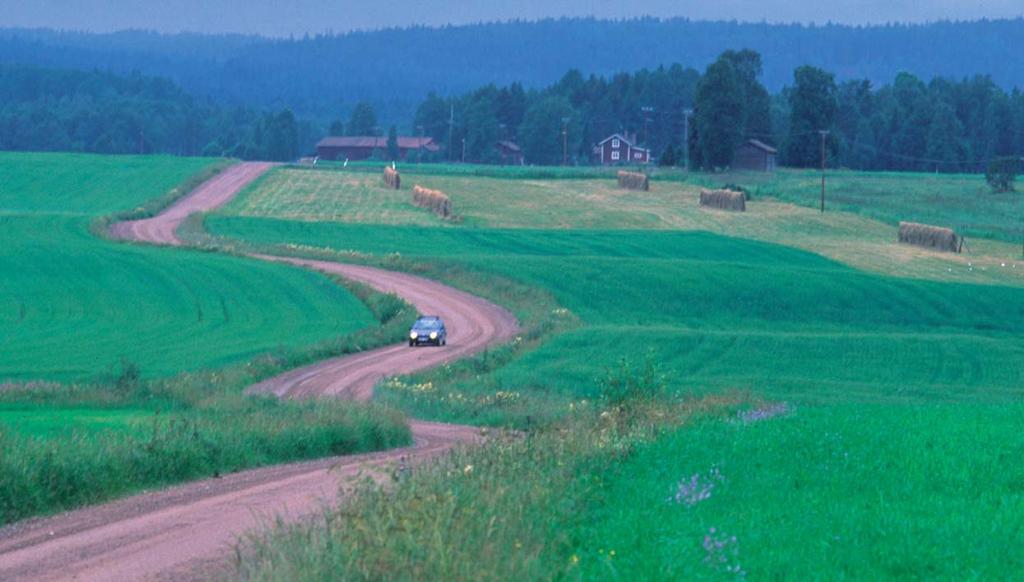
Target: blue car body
<point x="428" y="330"/>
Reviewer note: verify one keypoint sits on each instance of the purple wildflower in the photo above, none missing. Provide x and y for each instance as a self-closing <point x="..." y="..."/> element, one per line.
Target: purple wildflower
<point x="722" y="553"/>
<point x="691" y="491"/>
<point x="763" y="413"/>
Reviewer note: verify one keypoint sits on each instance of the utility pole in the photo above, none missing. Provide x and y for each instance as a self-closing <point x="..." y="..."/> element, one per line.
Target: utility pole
<point x="463" y="150"/>
<point x="451" y="130"/>
<point x="647" y="110"/>
<point x="419" y="150"/>
<point x="142" y="141"/>
<point x="687" y="113"/>
<point x="824" y="135"/>
<point x="565" y="141"/>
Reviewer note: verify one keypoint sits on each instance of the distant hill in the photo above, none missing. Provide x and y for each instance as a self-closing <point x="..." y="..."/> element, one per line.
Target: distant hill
<point x="324" y="76"/>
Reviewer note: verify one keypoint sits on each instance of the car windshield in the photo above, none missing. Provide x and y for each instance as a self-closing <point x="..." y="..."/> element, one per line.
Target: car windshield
<point x="427" y="324"/>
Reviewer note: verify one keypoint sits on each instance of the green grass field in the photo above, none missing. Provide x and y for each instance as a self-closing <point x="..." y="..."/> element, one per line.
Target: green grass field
<point x="73" y="306"/>
<point x="852" y="491"/>
<point x="146" y="350"/>
<point x="718" y="312"/>
<point x="897" y="366"/>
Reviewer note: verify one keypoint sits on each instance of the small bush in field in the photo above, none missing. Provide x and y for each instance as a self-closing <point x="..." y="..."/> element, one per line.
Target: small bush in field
<point x="1002" y="173"/>
<point x="628" y="382"/>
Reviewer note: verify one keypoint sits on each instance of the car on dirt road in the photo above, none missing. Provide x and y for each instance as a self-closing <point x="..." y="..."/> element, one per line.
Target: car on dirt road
<point x="428" y="330"/>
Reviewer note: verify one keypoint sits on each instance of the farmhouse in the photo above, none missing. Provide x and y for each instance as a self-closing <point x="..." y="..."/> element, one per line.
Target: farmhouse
<point x="754" y="155"/>
<point x="619" y="149"/>
<point x="363" y="147"/>
<point x="510" y="152"/>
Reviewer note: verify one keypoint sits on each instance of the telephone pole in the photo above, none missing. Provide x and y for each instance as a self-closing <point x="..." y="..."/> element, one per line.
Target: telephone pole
<point x="451" y="131"/>
<point x="824" y="135"/>
<point x="419" y="150"/>
<point x="647" y="110"/>
<point x="687" y="113"/>
<point x="565" y="141"/>
<point x="463" y="150"/>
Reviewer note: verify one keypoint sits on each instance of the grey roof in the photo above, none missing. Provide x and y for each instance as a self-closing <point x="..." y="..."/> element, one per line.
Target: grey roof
<point x="762" y="146"/>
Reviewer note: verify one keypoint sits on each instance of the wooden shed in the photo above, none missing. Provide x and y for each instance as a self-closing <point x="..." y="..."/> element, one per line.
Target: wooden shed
<point x="756" y="156"/>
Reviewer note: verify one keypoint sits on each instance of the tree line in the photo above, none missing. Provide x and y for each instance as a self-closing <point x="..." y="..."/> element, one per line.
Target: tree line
<point x="323" y="76"/>
<point x="91" y="111"/>
<point x="908" y="125"/>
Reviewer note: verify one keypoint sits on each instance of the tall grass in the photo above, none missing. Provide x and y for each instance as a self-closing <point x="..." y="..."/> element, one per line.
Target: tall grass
<point x="39" y="476"/>
<point x="505" y="511"/>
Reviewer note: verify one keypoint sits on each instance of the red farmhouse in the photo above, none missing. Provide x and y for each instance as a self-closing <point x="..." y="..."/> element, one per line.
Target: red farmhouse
<point x="618" y="149"/>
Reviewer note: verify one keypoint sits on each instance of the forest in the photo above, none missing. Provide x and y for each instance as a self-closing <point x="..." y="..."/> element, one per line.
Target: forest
<point x="91" y="111"/>
<point x="941" y="125"/>
<point x="325" y="75"/>
<point x="906" y="124"/>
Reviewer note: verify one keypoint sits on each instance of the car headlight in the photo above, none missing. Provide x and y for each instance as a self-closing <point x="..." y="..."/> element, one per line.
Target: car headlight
<point x="433" y="335"/>
<point x="413" y="335"/>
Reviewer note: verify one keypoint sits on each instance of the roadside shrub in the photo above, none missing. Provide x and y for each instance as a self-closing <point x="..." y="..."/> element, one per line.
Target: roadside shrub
<point x="628" y="384"/>
<point x="737" y="188"/>
<point x="1002" y="173"/>
<point x="128" y="381"/>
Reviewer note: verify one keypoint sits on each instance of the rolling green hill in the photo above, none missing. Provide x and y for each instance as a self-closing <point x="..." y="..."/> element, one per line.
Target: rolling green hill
<point x="73" y="306"/>
<point x="718" y="312"/>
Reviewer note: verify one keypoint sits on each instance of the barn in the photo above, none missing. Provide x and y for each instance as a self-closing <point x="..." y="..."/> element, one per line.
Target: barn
<point x="510" y="152"/>
<point x="754" y="155"/>
<point x="619" y="149"/>
<point x="363" y="147"/>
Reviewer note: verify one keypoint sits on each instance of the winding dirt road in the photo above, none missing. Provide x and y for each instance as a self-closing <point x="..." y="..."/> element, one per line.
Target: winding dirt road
<point x="187" y="532"/>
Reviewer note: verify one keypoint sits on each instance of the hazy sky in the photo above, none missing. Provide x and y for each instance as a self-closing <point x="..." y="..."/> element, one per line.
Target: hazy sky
<point x="280" y="18"/>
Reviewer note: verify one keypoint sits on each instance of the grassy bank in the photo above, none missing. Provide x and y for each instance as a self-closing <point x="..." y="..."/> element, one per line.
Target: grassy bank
<point x="62" y="447"/>
<point x="506" y="511"/>
<point x="703" y="491"/>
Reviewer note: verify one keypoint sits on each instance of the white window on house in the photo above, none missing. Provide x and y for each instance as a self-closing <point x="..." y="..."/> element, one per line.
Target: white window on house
<point x="615" y="143"/>
<point x="615" y="155"/>
<point x="638" y="156"/>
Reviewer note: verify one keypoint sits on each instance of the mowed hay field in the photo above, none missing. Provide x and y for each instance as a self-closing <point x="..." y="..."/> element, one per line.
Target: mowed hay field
<point x="963" y="202"/>
<point x="309" y="195"/>
<point x="861" y="424"/>
<point x="74" y="306"/>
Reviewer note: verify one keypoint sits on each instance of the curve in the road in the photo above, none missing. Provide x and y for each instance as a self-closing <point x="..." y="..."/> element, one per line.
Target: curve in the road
<point x="176" y="533"/>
